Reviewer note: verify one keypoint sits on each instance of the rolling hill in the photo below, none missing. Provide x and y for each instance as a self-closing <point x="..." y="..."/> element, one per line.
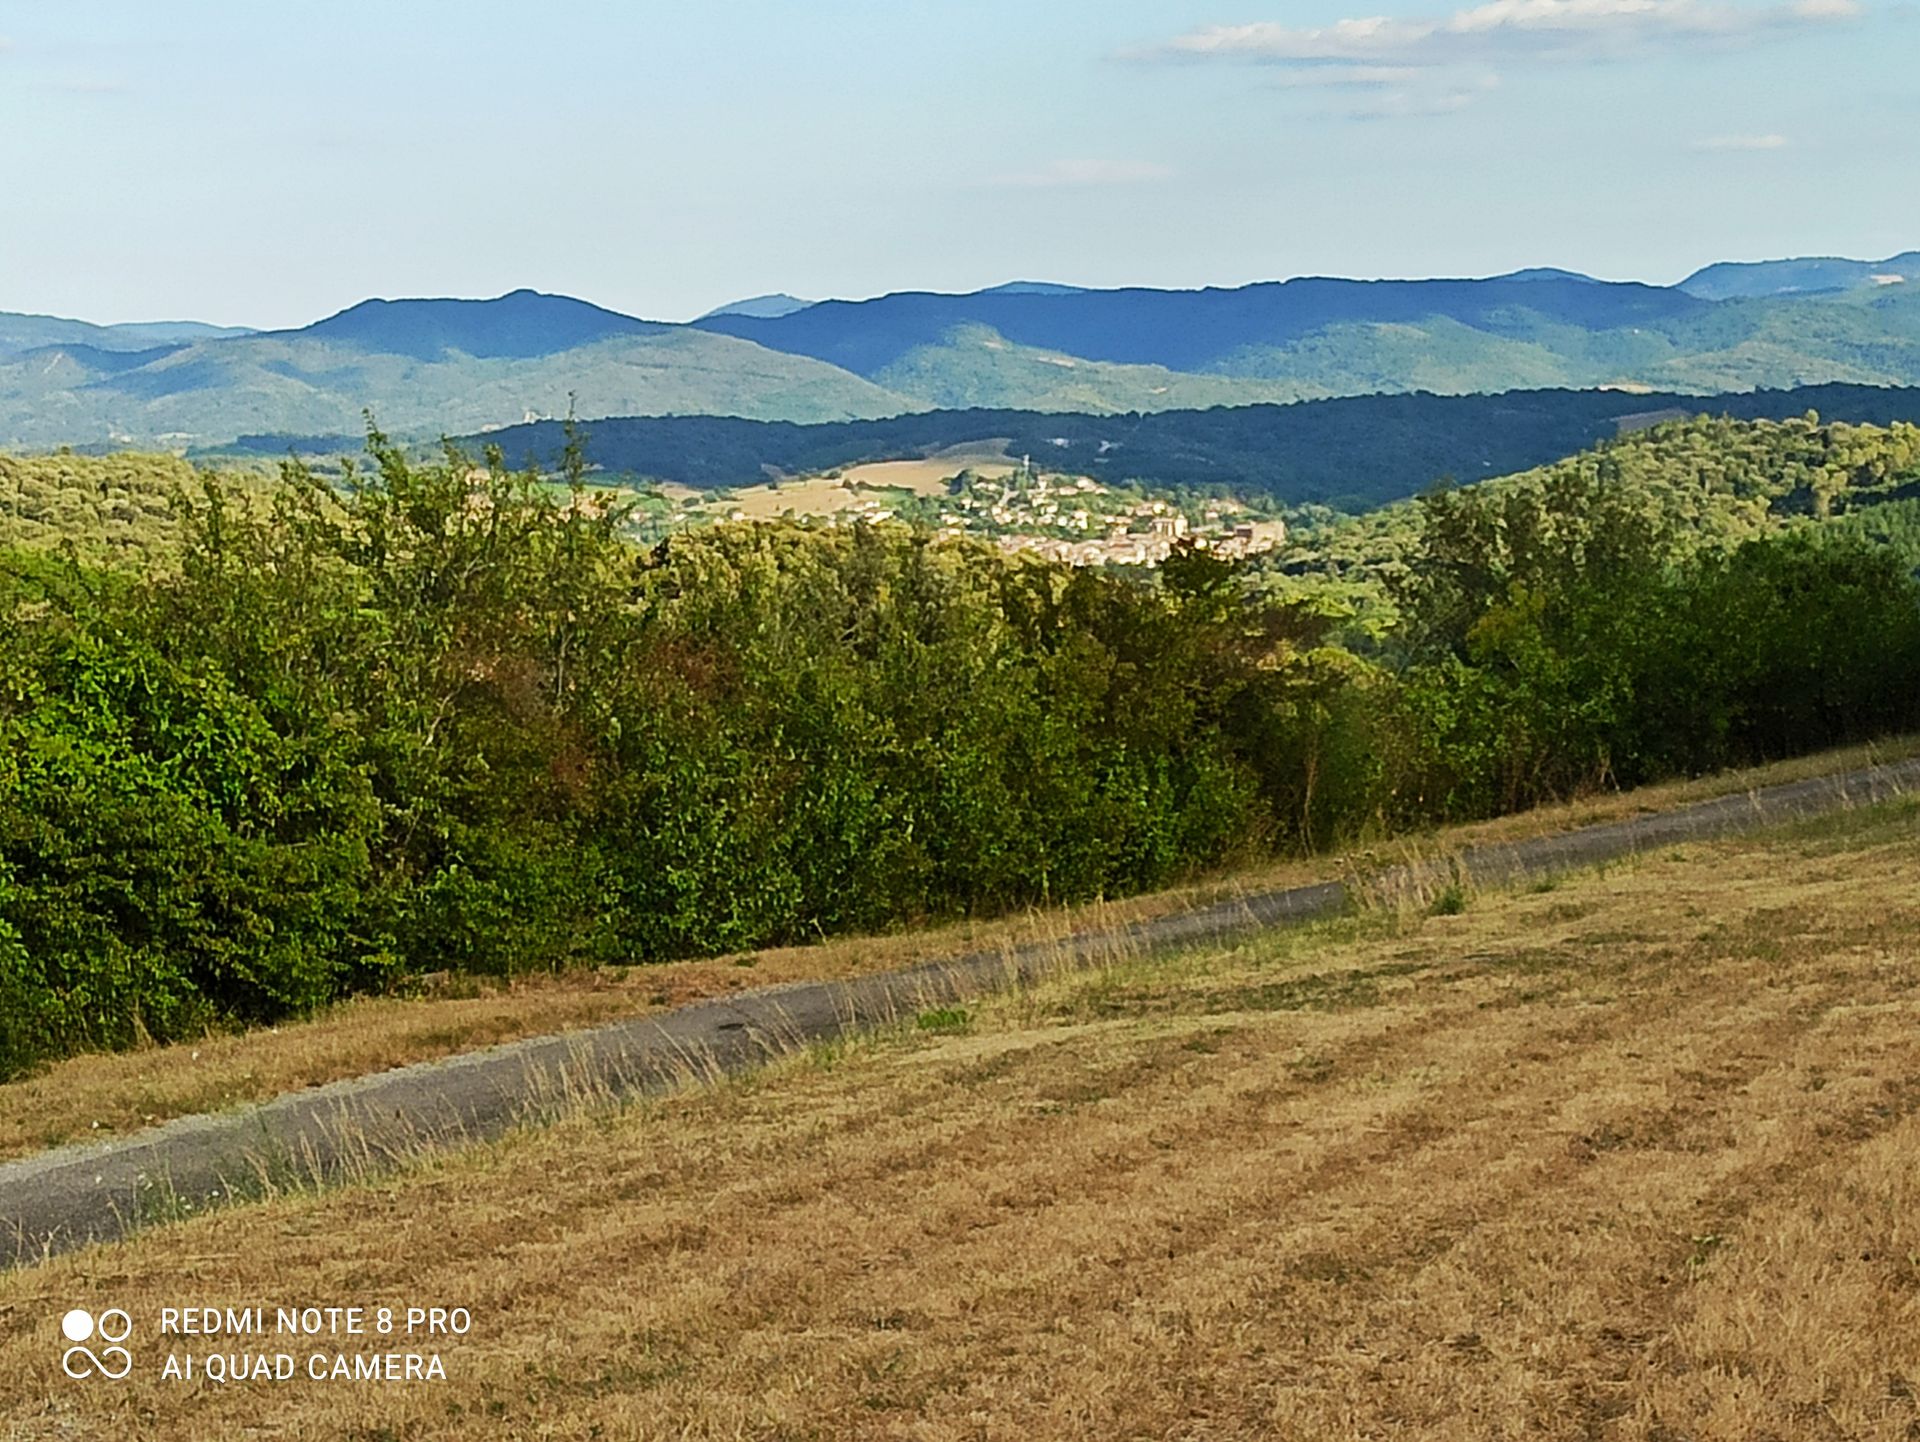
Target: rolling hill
<point x="1198" y="330"/>
<point x="424" y="367"/>
<point x="1808" y="275"/>
<point x="521" y="325"/>
<point x="1355" y="452"/>
<point x="23" y="333"/>
<point x="1323" y="337"/>
<point x="431" y="366"/>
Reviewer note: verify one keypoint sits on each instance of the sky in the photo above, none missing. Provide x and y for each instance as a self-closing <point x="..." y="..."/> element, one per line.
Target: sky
<point x="268" y="164"/>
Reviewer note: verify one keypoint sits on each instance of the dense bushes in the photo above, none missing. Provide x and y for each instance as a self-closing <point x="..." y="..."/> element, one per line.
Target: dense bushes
<point x="1572" y="634"/>
<point x="450" y="719"/>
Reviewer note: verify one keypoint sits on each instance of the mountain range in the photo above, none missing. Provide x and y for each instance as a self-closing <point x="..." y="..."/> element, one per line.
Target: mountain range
<point x="1813" y="275"/>
<point x="442" y="366"/>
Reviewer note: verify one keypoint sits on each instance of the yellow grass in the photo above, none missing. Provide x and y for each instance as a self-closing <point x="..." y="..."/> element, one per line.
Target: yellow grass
<point x="101" y="1096"/>
<point x="829" y="496"/>
<point x="929" y="476"/>
<point x="813" y="496"/>
<point x="1629" y="1158"/>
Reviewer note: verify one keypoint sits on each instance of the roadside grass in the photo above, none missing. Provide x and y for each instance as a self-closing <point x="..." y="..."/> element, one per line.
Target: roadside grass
<point x="1629" y="1158"/>
<point x="98" y="1096"/>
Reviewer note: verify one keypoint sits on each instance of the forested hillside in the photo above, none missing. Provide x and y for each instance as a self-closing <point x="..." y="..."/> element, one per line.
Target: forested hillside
<point x="114" y="509"/>
<point x="1353" y="453"/>
<point x="216" y="390"/>
<point x="1703" y="485"/>
<point x="1321" y="336"/>
<point x="436" y="719"/>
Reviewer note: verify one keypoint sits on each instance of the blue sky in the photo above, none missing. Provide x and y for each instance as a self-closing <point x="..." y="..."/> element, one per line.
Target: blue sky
<point x="267" y="164"/>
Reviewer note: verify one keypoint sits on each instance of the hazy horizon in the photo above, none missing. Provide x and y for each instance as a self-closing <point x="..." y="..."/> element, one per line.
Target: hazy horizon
<point x="270" y="166"/>
<point x="925" y="289"/>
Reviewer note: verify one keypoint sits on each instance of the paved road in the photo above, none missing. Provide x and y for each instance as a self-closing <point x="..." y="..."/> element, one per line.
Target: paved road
<point x="75" y="1195"/>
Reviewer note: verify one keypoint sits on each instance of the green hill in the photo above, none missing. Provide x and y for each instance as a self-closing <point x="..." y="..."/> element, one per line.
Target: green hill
<point x="520" y="325"/>
<point x="436" y="366"/>
<point x="293" y="383"/>
<point x="115" y="509"/>
<point x="20" y="333"/>
<point x="1146" y="349"/>
<point x="1708" y="483"/>
<point x="976" y="367"/>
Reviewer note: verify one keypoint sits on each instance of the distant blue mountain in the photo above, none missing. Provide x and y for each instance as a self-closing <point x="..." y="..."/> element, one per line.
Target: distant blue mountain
<point x="19" y="333"/>
<point x="1808" y="275"/>
<point x="521" y="325"/>
<point x="427" y="366"/>
<point x="1194" y="330"/>
<point x="1034" y="287"/>
<point x="1549" y="272"/>
<point x="761" y="307"/>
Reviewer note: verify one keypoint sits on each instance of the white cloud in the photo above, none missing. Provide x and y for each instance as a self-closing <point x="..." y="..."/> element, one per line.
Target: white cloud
<point x="1742" y="142"/>
<point x="1502" y="30"/>
<point x="1069" y="173"/>
<point x="1464" y="51"/>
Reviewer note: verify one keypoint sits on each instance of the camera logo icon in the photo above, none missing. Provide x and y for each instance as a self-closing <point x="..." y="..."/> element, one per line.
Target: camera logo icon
<point x="112" y="1361"/>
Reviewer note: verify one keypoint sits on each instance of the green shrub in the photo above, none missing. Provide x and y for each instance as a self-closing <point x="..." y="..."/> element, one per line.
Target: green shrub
<point x="447" y="718"/>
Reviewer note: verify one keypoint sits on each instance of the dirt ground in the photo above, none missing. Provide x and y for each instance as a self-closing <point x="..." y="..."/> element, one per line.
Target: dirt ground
<point x="1630" y="1156"/>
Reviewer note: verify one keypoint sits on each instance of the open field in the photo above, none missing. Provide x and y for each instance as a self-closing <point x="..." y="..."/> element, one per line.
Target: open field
<point x="1626" y="1156"/>
<point x="101" y="1096"/>
<point x="928" y="476"/>
<point x="829" y="495"/>
<point x="810" y="496"/>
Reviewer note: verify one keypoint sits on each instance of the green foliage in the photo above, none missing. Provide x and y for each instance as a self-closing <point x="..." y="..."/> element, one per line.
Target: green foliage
<point x="945" y="1021"/>
<point x="444" y="716"/>
<point x="114" y="510"/>
<point x="1590" y="627"/>
<point x="1353" y="452"/>
<point x="1682" y="487"/>
<point x="168" y="857"/>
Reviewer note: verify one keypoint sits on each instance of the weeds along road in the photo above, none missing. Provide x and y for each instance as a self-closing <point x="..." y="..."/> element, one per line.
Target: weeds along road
<point x="1628" y="1155"/>
<point x="75" y="1195"/>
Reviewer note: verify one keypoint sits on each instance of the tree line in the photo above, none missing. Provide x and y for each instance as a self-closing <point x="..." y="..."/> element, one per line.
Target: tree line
<point x="445" y="716"/>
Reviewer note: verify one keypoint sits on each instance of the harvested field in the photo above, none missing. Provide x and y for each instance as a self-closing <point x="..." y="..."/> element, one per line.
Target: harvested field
<point x="849" y="486"/>
<point x="1629" y="1156"/>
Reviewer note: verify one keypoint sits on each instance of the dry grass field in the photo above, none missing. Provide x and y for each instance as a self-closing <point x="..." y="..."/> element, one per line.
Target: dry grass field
<point x="828" y="496"/>
<point x="929" y="475"/>
<point x="100" y="1096"/>
<point x="1635" y="1156"/>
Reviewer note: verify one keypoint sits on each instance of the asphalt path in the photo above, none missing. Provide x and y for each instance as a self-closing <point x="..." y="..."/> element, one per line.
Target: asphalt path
<point x="76" y="1195"/>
